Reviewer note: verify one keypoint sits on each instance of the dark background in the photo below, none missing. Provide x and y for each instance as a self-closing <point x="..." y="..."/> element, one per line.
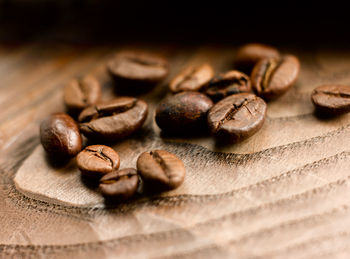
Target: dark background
<point x="186" y="22"/>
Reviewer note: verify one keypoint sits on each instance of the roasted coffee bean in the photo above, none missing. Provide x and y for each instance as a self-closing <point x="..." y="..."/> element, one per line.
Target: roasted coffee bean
<point x="113" y="120"/>
<point x="331" y="99"/>
<point x="274" y="76"/>
<point x="161" y="169"/>
<point x="79" y="94"/>
<point x="121" y="184"/>
<point x="60" y="136"/>
<point x="192" y="78"/>
<point x="249" y="54"/>
<point x="97" y="160"/>
<point x="183" y="111"/>
<point x="225" y="84"/>
<point x="237" y="117"/>
<point x="137" y="70"/>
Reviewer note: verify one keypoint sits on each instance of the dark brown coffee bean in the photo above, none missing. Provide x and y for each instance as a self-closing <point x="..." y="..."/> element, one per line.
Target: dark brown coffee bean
<point x="237" y="117"/>
<point x="97" y="160"/>
<point x="79" y="94"/>
<point x="183" y="111"/>
<point x="193" y="78"/>
<point x="137" y="69"/>
<point x="225" y="84"/>
<point x="249" y="54"/>
<point x="121" y="184"/>
<point x="113" y="120"/>
<point x="332" y="99"/>
<point x="60" y="136"/>
<point x="161" y="169"/>
<point x="273" y="77"/>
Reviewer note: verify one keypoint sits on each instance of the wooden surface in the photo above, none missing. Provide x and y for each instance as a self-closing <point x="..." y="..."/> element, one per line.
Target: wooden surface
<point x="284" y="193"/>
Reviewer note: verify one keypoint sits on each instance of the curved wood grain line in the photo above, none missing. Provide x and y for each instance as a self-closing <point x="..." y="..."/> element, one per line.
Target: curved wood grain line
<point x="294" y="198"/>
<point x="185" y="198"/>
<point x="309" y="194"/>
<point x="176" y="233"/>
<point x="214" y="197"/>
<point x="292" y="223"/>
<point x="242" y="159"/>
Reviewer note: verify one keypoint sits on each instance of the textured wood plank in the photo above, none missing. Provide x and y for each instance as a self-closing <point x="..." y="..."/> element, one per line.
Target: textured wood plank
<point x="284" y="193"/>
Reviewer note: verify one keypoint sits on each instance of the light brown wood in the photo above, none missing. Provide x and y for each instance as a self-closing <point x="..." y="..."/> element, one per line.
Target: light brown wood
<point x="283" y="193"/>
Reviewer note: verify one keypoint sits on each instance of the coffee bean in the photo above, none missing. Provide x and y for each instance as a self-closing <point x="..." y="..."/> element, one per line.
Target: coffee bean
<point x="137" y="70"/>
<point x="331" y="99"/>
<point x="249" y="54"/>
<point x="225" y="84"/>
<point x="273" y="77"/>
<point x="161" y="169"/>
<point x="183" y="111"/>
<point x="97" y="160"/>
<point x="192" y="78"/>
<point x="79" y="94"/>
<point x="237" y="117"/>
<point x="60" y="136"/>
<point x="121" y="184"/>
<point x="113" y="120"/>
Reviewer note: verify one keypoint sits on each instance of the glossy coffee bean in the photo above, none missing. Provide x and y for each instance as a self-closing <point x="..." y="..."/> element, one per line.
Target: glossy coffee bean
<point x="113" y="120"/>
<point x="183" y="111"/>
<point x="193" y="78"/>
<point x="79" y="94"/>
<point x="97" y="160"/>
<point x="331" y="99"/>
<point x="225" y="84"/>
<point x="237" y="117"/>
<point x="249" y="54"/>
<point x="60" y="136"/>
<point x="121" y="184"/>
<point x="161" y="169"/>
<point x="137" y="69"/>
<point x="273" y="77"/>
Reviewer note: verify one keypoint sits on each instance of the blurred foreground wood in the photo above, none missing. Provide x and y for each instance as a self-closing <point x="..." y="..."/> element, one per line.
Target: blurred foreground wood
<point x="284" y="193"/>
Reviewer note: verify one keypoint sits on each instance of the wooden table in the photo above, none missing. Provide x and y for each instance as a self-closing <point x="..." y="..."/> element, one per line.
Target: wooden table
<point x="283" y="193"/>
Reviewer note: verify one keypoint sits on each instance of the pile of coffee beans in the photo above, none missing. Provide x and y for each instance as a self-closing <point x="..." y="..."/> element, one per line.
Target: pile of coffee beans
<point x="231" y="105"/>
<point x="108" y="121"/>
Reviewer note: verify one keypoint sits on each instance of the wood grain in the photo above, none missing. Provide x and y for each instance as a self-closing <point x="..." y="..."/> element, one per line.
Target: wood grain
<point x="284" y="193"/>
